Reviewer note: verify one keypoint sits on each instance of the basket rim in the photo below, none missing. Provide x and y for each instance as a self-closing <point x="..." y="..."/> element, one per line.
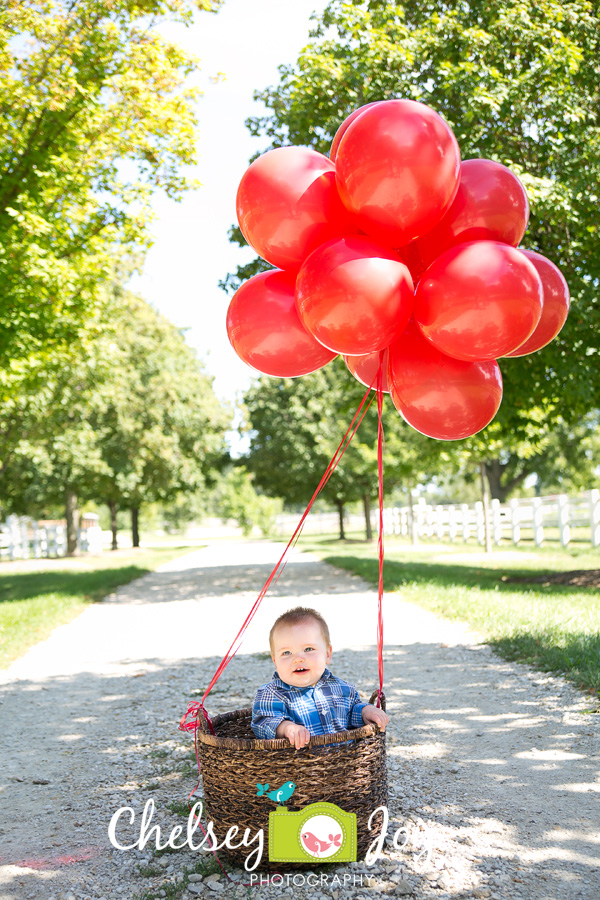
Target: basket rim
<point x="318" y="740"/>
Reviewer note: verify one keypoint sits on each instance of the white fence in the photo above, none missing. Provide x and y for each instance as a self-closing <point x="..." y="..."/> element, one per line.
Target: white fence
<point x="319" y="523"/>
<point x="24" y="538"/>
<point x="535" y="518"/>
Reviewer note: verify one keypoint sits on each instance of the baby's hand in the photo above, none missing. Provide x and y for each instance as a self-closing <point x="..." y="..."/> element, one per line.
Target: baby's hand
<point x="374" y="714"/>
<point x="297" y="735"/>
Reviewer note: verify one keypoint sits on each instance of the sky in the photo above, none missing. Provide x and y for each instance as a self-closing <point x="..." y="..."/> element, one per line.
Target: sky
<point x="246" y="41"/>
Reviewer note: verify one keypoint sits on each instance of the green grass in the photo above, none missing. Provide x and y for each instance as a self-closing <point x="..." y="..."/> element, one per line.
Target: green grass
<point x="179" y="808"/>
<point x="554" y="627"/>
<point x="36" y="596"/>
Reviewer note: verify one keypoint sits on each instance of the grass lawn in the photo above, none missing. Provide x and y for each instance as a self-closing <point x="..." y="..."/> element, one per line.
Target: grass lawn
<point x="555" y="627"/>
<point x="38" y="595"/>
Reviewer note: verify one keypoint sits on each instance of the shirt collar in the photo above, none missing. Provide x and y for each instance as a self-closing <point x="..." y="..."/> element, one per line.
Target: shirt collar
<point x="292" y="687"/>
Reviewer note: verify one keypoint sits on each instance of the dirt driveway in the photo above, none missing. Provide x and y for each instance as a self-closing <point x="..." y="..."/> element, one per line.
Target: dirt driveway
<point x="492" y="765"/>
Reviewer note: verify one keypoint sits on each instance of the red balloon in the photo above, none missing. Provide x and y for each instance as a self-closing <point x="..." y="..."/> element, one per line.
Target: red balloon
<point x="344" y="127"/>
<point x="490" y="204"/>
<point x="555" y="308"/>
<point x="398" y="167"/>
<point x="354" y="296"/>
<point x="265" y="331"/>
<point x="410" y="257"/>
<point x="479" y="300"/>
<point x="288" y="204"/>
<point x="444" y="398"/>
<point x="364" y="369"/>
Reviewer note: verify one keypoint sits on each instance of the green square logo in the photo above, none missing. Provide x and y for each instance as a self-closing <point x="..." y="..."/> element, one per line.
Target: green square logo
<point x="321" y="832"/>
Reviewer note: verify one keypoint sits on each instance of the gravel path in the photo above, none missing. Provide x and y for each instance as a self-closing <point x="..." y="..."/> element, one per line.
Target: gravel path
<point x="492" y="765"/>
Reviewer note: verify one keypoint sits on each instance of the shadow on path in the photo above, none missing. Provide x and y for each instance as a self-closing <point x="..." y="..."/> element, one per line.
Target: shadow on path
<point x="481" y="754"/>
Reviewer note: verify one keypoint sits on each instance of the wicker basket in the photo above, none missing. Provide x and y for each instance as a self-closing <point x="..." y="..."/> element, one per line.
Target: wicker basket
<point x="346" y="768"/>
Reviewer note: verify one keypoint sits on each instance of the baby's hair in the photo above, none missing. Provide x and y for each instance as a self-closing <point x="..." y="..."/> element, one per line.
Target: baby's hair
<point x="297" y="615"/>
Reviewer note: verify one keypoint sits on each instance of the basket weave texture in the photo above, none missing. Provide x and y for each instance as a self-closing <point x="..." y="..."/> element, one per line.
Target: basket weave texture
<point x="346" y="768"/>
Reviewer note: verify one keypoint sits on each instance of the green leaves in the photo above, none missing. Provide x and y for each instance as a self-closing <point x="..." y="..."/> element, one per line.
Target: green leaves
<point x="519" y="83"/>
<point x="96" y="116"/>
<point x="297" y="424"/>
<point x="129" y="416"/>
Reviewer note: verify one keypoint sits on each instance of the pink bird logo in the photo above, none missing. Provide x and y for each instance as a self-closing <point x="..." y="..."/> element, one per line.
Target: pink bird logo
<point x="316" y="846"/>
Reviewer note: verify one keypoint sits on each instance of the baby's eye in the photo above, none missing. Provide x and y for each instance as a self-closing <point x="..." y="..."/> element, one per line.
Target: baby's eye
<point x="308" y="649"/>
<point x="285" y="653"/>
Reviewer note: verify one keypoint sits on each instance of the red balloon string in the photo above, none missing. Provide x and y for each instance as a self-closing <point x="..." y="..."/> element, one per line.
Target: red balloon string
<point x="193" y="726"/>
<point x="195" y="708"/>
<point x="380" y="451"/>
<point x="190" y="720"/>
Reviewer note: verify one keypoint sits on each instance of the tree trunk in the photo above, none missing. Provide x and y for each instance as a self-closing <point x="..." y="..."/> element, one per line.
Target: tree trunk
<point x="411" y="519"/>
<point x="340" y="506"/>
<point x="113" y="523"/>
<point x="494" y="471"/>
<point x="486" y="508"/>
<point x="135" y="528"/>
<point x="367" y="509"/>
<point x="72" y="517"/>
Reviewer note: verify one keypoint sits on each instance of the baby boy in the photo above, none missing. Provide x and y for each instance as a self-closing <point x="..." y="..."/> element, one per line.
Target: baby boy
<point x="304" y="698"/>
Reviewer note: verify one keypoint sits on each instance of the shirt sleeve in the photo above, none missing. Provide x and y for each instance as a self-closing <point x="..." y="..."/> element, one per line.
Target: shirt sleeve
<point x="268" y="711"/>
<point x="356" y="707"/>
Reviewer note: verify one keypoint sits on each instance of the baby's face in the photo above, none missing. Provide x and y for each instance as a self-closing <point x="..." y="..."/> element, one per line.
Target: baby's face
<point x="300" y="653"/>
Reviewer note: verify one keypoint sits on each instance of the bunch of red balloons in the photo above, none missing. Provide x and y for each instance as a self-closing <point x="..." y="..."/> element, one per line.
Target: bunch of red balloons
<point x="394" y="245"/>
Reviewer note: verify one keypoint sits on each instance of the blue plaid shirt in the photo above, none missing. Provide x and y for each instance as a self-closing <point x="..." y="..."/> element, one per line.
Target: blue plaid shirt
<point x="331" y="705"/>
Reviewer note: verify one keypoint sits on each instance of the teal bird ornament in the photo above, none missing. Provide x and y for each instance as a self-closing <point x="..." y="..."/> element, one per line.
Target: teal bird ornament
<point x="279" y="795"/>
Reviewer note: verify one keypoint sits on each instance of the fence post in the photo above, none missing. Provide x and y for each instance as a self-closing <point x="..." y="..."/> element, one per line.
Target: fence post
<point x="387" y="521"/>
<point x="515" y="519"/>
<point x="496" y="521"/>
<point x="24" y="539"/>
<point x="13" y="536"/>
<point x="37" y="548"/>
<point x="538" y="521"/>
<point x="61" y="540"/>
<point x="595" y="516"/>
<point x="452" y="522"/>
<point x="480" y="521"/>
<point x="466" y="525"/>
<point x="428" y="519"/>
<point x="420" y="509"/>
<point x="563" y="520"/>
<point x="485" y="494"/>
<point x="439" y="521"/>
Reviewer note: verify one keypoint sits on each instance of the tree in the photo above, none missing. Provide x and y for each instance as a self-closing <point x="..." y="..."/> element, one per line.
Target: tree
<point x="235" y="497"/>
<point x="133" y="420"/>
<point x="48" y="449"/>
<point x="296" y="425"/>
<point x="160" y="424"/>
<point x="571" y="458"/>
<point x="518" y="82"/>
<point x="95" y="117"/>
